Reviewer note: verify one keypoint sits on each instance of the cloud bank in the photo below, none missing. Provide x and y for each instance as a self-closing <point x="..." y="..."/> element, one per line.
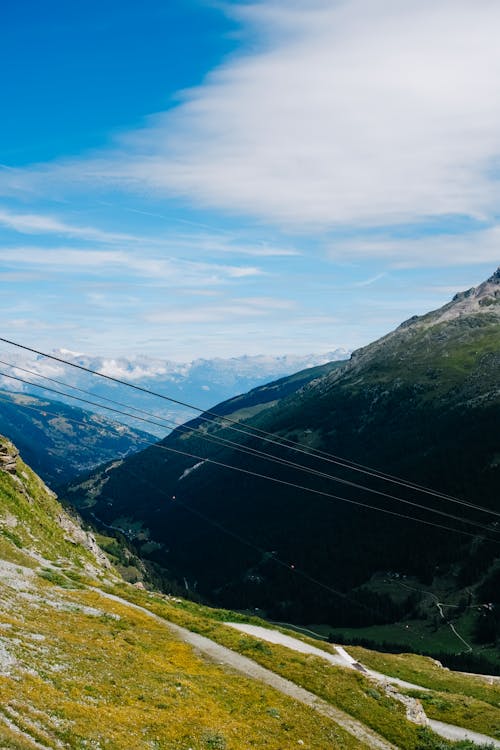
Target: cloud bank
<point x="355" y="111"/>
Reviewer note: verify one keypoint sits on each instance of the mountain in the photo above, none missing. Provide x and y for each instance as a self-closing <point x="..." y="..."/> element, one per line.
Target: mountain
<point x="90" y="661"/>
<point x="201" y="382"/>
<point x="422" y="403"/>
<point x="62" y="441"/>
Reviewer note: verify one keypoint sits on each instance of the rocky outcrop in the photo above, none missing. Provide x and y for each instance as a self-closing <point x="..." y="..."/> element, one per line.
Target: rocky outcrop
<point x="12" y="464"/>
<point x="414" y="709"/>
<point x="482" y="299"/>
<point x="8" y="457"/>
<point x="76" y="535"/>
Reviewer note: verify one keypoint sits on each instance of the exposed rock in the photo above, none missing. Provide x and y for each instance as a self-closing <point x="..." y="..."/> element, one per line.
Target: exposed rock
<point x="414" y="709"/>
<point x="76" y="535"/>
<point x="9" y="521"/>
<point x="8" y="457"/>
<point x="7" y="661"/>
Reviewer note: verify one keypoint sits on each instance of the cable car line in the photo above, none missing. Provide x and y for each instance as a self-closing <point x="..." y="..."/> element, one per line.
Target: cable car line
<point x="250" y="430"/>
<point x="275" y="459"/>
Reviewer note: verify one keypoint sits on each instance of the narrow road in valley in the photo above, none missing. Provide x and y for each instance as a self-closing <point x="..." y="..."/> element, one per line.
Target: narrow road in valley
<point x="439" y="606"/>
<point x="341" y="658"/>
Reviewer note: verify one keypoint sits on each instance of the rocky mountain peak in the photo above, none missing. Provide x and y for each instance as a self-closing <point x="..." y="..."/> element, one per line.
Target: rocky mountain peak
<point x="483" y="298"/>
<point x="495" y="278"/>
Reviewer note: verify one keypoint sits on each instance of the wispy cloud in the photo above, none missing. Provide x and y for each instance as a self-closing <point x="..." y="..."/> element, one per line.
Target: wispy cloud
<point x="64" y="260"/>
<point x="468" y="248"/>
<point x="371" y="280"/>
<point x="207" y="243"/>
<point x="228" y="244"/>
<point x="246" y="307"/>
<point x="42" y="224"/>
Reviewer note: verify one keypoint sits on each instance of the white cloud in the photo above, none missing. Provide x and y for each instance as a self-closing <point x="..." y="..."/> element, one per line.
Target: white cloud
<point x="226" y="244"/>
<point x="469" y="248"/>
<point x="207" y="243"/>
<point x="246" y="307"/>
<point x="371" y="280"/>
<point x="372" y="111"/>
<point x="42" y="224"/>
<point x="154" y="267"/>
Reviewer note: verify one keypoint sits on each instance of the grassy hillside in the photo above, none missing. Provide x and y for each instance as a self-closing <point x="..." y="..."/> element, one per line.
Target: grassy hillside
<point x="78" y="670"/>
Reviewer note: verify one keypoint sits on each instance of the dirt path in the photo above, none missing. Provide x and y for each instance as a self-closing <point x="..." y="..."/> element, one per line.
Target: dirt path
<point x="452" y="732"/>
<point x="225" y="657"/>
<point x="449" y="731"/>
<point x="341" y="658"/>
<point x="249" y="668"/>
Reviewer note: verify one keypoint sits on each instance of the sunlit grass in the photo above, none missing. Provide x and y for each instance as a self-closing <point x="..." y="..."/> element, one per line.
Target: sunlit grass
<point x="101" y="673"/>
<point x="343" y="688"/>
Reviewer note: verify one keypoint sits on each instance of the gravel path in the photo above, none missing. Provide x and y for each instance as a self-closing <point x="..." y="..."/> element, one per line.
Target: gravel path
<point x="341" y="658"/>
<point x="274" y="636"/>
<point x="249" y="668"/>
<point x="227" y="658"/>
<point x="449" y="731"/>
<point x="452" y="732"/>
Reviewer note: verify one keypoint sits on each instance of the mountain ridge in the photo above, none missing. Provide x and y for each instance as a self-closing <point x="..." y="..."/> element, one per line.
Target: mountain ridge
<point x="61" y="440"/>
<point x="421" y="403"/>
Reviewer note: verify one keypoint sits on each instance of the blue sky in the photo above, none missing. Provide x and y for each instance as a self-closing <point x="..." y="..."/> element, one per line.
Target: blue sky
<point x="197" y="179"/>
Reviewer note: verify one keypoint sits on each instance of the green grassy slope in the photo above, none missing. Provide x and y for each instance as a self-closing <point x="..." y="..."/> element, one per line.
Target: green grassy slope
<point x="78" y="670"/>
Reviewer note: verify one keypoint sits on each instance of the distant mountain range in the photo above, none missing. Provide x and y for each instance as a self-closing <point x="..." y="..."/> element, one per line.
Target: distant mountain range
<point x="202" y="382"/>
<point x="421" y="403"/>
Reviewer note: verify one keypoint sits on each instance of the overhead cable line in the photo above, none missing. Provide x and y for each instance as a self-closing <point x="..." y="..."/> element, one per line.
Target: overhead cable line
<point x="276" y="480"/>
<point x="78" y="398"/>
<point x="250" y="430"/>
<point x="292" y="567"/>
<point x="289" y="566"/>
<point x="267" y="437"/>
<point x="79" y="390"/>
<point x="40" y="408"/>
<point x="319" y="492"/>
<point x="260" y="454"/>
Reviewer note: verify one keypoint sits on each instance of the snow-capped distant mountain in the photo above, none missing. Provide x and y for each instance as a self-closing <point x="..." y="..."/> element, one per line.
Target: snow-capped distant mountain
<point x="202" y="382"/>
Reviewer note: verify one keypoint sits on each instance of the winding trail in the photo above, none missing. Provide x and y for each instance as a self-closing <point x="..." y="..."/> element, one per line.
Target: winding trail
<point x="341" y="659"/>
<point x="448" y="731"/>
<point x="454" y="733"/>
<point x="228" y="658"/>
<point x="439" y="606"/>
